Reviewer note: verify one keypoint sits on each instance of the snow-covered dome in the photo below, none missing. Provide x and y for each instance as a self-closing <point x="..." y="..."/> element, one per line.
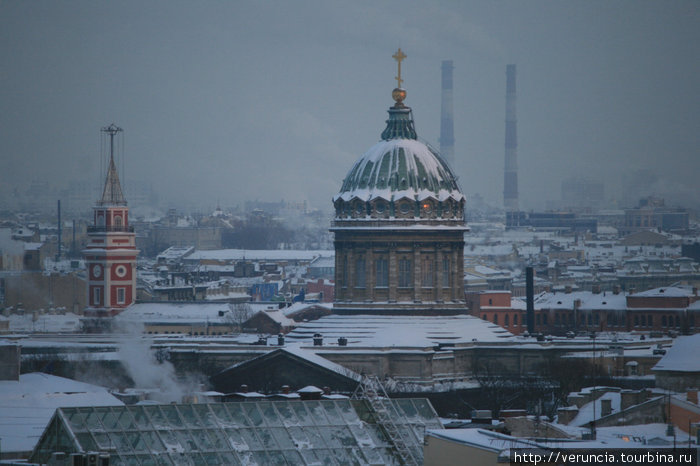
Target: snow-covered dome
<point x="398" y="171"/>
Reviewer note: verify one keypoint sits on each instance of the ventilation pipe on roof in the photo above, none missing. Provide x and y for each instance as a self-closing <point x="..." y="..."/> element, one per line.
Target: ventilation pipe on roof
<point x="342" y="341"/>
<point x="318" y="339"/>
<point x="280" y="339"/>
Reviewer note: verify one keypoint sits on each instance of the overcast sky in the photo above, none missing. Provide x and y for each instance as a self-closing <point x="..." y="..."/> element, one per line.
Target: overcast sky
<point x="223" y="101"/>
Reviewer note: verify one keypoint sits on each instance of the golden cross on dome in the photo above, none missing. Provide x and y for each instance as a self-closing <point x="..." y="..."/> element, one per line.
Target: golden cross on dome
<point x="398" y="56"/>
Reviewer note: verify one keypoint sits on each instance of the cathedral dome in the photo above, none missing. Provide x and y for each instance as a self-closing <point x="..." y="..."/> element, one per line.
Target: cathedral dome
<point x="400" y="176"/>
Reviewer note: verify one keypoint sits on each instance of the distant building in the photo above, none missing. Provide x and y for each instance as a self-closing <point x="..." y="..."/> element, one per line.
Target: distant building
<point x="652" y="213"/>
<point x="552" y="221"/>
<point x="662" y="310"/>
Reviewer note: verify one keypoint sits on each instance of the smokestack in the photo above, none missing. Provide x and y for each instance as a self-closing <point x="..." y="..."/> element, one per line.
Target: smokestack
<point x="60" y="231"/>
<point x="510" y="180"/>
<point x="447" y="140"/>
<point x="530" y="300"/>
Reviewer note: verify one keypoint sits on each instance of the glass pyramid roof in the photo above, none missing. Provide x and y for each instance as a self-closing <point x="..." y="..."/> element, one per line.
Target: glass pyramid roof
<point x="333" y="432"/>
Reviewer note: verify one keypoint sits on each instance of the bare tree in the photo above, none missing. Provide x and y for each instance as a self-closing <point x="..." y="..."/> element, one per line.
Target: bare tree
<point x="237" y="314"/>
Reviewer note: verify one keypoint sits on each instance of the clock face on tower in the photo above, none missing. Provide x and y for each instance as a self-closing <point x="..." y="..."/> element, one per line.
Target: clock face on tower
<point x="97" y="270"/>
<point x="120" y="271"/>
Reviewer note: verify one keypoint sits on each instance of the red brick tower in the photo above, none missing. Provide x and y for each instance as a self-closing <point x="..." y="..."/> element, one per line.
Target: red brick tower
<point x="110" y="255"/>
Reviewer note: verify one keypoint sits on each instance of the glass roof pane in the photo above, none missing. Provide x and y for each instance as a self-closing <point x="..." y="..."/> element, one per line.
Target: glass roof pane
<point x="406" y="408"/>
<point x="269" y="413"/>
<point x="92" y="420"/>
<point x="109" y="420"/>
<point x="172" y="417"/>
<point x="125" y="419"/>
<point x="315" y="437"/>
<point x="145" y="460"/>
<point x="302" y="414"/>
<point x="332" y="412"/>
<point x="202" y="440"/>
<point x="221" y="415"/>
<point x="293" y="457"/>
<point x="188" y="415"/>
<point x="236" y="414"/>
<point x="219" y="439"/>
<point x="170" y="442"/>
<point x="275" y="457"/>
<point x="343" y="435"/>
<point x="267" y="439"/>
<point x="251" y="439"/>
<point x="86" y="441"/>
<point x="207" y="418"/>
<point x="247" y="458"/>
<point x="326" y="456"/>
<point x="389" y="457"/>
<point x="236" y="440"/>
<point x="286" y="413"/>
<point x="362" y="435"/>
<point x="75" y="418"/>
<point x="120" y="442"/>
<point x="345" y="457"/>
<point x="229" y="458"/>
<point x="253" y="413"/>
<point x="153" y="443"/>
<point x="139" y="416"/>
<point x="318" y="414"/>
<point x="346" y="411"/>
<point x="136" y="442"/>
<point x="310" y="457"/>
<point x="424" y="409"/>
<point x="283" y="438"/>
<point x="261" y="458"/>
<point x="156" y="416"/>
<point x="186" y="441"/>
<point x="299" y="437"/>
<point x="330" y="439"/>
<point x="104" y="442"/>
<point x="212" y="458"/>
<point x="131" y="461"/>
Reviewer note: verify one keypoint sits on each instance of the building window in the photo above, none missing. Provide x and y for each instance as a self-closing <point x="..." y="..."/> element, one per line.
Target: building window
<point x="507" y="321"/>
<point x="515" y="320"/>
<point x="360" y="274"/>
<point x="405" y="273"/>
<point x="96" y="296"/>
<point x="445" y="272"/>
<point x="121" y="295"/>
<point x="663" y="321"/>
<point x="495" y="319"/>
<point x="428" y="273"/>
<point x="382" y="267"/>
<point x="537" y="319"/>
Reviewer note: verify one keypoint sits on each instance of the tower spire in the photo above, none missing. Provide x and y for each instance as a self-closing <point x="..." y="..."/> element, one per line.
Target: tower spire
<point x="112" y="193"/>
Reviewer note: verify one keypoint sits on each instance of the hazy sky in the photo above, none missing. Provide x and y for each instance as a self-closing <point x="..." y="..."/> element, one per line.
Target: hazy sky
<point x="233" y="100"/>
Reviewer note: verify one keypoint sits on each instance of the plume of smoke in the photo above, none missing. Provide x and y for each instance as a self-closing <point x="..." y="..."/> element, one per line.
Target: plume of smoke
<point x="148" y="371"/>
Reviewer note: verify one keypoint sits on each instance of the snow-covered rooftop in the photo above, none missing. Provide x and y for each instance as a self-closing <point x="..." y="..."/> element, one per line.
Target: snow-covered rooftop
<point x="682" y="356"/>
<point x="382" y="331"/>
<point x="26" y="406"/>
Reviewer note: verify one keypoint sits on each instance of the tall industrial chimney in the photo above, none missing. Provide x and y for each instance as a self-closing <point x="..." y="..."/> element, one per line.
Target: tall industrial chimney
<point x="447" y="139"/>
<point x="510" y="180"/>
